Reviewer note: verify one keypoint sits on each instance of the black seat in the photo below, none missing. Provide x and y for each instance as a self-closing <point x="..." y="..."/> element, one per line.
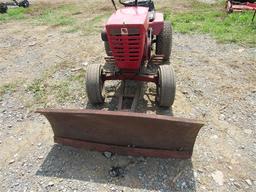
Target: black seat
<point x="144" y="3"/>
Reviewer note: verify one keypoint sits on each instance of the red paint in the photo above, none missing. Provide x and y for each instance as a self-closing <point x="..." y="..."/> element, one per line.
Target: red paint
<point x="127" y="32"/>
<point x="129" y="15"/>
<point x="131" y="76"/>
<point x="249" y="6"/>
<point x="127" y="49"/>
<point x="158" y="24"/>
<point x="241" y="6"/>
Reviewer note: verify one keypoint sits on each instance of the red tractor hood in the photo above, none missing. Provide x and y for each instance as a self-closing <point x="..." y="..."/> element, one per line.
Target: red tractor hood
<point x="129" y="16"/>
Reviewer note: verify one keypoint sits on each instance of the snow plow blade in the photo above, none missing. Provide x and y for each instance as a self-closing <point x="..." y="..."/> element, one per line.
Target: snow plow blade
<point x="124" y="133"/>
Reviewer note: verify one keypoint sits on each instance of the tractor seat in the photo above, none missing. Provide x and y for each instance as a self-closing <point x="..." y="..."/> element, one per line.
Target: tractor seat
<point x="145" y="3"/>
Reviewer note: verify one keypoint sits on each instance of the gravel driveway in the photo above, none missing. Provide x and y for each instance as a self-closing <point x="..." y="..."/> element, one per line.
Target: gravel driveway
<point x="216" y="84"/>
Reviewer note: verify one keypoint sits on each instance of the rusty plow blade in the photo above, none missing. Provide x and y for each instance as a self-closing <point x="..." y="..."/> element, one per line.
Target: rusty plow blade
<point x="124" y="133"/>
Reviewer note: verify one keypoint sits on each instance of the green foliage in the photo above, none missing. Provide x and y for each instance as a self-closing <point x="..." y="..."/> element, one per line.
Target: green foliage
<point x="13" y="14"/>
<point x="38" y="89"/>
<point x="61" y="15"/>
<point x="7" y="88"/>
<point x="62" y="91"/>
<point x="213" y="20"/>
<point x="67" y="89"/>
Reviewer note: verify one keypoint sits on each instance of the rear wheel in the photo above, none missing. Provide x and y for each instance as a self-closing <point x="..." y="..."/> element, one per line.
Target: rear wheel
<point x="94" y="84"/>
<point x="166" y="88"/>
<point x="3" y="8"/>
<point x="24" y="3"/>
<point x="107" y="48"/>
<point x="164" y="41"/>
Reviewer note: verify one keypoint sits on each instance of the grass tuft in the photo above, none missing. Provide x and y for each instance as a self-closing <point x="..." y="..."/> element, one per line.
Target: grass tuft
<point x="56" y="16"/>
<point x="13" y="14"/>
<point x="8" y="88"/>
<point x="38" y="89"/>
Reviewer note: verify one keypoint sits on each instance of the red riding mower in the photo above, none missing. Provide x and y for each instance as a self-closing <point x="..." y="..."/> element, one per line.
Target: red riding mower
<point x="138" y="46"/>
<point x="241" y="5"/>
<point x="4" y="6"/>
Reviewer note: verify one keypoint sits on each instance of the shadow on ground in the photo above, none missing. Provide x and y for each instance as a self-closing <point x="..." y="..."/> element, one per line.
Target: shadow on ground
<point x="137" y="173"/>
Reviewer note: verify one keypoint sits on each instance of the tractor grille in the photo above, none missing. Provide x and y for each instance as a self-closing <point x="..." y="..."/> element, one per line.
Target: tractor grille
<point x="127" y="49"/>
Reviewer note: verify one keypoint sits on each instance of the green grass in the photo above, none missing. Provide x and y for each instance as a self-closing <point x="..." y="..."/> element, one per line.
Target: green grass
<point x="213" y="20"/>
<point x="38" y="89"/>
<point x="64" y="90"/>
<point x="43" y="14"/>
<point x="94" y="25"/>
<point x="67" y="90"/>
<point x="55" y="16"/>
<point x="90" y="26"/>
<point x="67" y="15"/>
<point x="13" y="14"/>
<point x="8" y="88"/>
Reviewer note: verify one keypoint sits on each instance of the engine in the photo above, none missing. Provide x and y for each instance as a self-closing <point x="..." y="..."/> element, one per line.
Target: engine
<point x="127" y="31"/>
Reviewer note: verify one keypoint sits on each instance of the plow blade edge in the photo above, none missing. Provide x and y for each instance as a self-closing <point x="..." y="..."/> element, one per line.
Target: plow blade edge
<point x="124" y="133"/>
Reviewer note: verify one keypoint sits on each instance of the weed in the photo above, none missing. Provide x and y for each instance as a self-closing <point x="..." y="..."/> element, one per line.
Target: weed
<point x="67" y="90"/>
<point x="62" y="91"/>
<point x="8" y="88"/>
<point x="38" y="89"/>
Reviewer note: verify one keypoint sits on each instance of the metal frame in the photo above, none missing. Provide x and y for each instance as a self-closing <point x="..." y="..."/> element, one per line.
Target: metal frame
<point x="127" y="151"/>
<point x="133" y="75"/>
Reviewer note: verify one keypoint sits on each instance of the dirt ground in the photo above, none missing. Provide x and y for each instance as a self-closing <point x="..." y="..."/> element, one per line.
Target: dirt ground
<point x="216" y="84"/>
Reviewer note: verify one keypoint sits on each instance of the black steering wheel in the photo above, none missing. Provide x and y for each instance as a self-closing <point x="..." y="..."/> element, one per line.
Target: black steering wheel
<point x="135" y="2"/>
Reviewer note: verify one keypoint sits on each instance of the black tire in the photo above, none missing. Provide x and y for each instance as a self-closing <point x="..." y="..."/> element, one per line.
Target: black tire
<point x="94" y="84"/>
<point x="3" y="8"/>
<point x="24" y="3"/>
<point x="107" y="48"/>
<point x="164" y="41"/>
<point x="166" y="88"/>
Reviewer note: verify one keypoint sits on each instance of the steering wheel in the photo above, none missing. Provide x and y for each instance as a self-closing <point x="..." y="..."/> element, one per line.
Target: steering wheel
<point x="134" y="2"/>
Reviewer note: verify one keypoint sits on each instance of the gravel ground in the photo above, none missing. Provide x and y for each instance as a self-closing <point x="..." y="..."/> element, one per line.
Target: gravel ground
<point x="216" y="84"/>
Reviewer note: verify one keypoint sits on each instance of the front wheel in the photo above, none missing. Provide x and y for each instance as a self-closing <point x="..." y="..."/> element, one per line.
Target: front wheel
<point x="166" y="87"/>
<point x="94" y="84"/>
